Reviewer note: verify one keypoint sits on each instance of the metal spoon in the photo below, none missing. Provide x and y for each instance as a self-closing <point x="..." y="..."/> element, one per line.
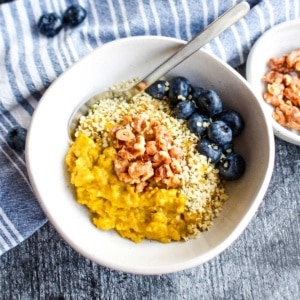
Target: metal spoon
<point x="210" y="32"/>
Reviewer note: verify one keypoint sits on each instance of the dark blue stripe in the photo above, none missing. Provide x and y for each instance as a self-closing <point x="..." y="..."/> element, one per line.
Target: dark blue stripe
<point x="166" y="19"/>
<point x="62" y="7"/>
<point x="230" y="47"/>
<point x="254" y="2"/>
<point x="22" y="55"/>
<point x="17" y="158"/>
<point x="105" y="22"/>
<point x="66" y="33"/>
<point x="36" y="50"/>
<point x="51" y="52"/>
<point x="12" y="234"/>
<point x="215" y="48"/>
<point x="10" y="72"/>
<point x="92" y="22"/>
<point x="70" y="53"/>
<point x="4" y="115"/>
<point x="52" y="6"/>
<point x="150" y="17"/>
<point x="8" y="121"/>
<point x="22" y="202"/>
<point x="119" y="18"/>
<point x="223" y="6"/>
<point x="197" y="23"/>
<point x="182" y="20"/>
<point x="279" y="12"/>
<point x="243" y="42"/>
<point x="2" y="249"/>
<point x="136" y="23"/>
<point x="61" y="46"/>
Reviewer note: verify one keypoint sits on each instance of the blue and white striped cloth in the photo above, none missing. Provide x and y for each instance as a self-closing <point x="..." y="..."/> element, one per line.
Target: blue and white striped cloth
<point x="29" y="62"/>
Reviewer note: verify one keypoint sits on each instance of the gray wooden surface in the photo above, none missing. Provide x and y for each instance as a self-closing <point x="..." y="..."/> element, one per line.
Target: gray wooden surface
<point x="264" y="263"/>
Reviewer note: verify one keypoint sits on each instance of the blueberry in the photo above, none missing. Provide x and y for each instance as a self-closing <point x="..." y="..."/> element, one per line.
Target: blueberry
<point x="180" y="88"/>
<point x="208" y="148"/>
<point x="232" y="167"/>
<point x="196" y="93"/>
<point x="198" y="123"/>
<point x="184" y="109"/>
<point x="158" y="89"/>
<point x="233" y="119"/>
<point x="227" y="148"/>
<point x="74" y="15"/>
<point x="219" y="132"/>
<point x="16" y="138"/>
<point x="209" y="102"/>
<point x="50" y="24"/>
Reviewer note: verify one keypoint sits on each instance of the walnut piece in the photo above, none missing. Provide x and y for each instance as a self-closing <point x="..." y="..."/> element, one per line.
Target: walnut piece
<point x="283" y="88"/>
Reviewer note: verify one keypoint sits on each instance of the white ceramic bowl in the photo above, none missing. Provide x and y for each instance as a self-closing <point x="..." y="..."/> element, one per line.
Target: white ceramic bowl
<point x="279" y="40"/>
<point x="47" y="145"/>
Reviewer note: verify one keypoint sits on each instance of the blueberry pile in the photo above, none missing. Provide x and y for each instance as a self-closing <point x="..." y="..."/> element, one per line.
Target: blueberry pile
<point x="51" y="24"/>
<point x="16" y="138"/>
<point x="205" y="116"/>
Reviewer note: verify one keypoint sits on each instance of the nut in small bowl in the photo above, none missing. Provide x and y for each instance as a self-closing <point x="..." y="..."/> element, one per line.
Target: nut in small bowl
<point x="48" y="144"/>
<point x="272" y="70"/>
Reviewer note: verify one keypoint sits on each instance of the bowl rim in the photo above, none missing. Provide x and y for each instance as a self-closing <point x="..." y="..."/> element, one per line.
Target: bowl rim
<point x="176" y="266"/>
<point x="280" y="131"/>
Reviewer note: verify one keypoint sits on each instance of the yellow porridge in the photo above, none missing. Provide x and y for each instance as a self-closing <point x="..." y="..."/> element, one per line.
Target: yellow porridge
<point x="137" y="170"/>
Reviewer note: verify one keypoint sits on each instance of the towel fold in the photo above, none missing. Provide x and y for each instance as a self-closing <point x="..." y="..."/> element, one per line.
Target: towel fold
<point x="30" y="62"/>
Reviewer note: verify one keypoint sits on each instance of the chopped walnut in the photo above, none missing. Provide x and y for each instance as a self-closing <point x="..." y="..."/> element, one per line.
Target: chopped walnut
<point x="283" y="88"/>
<point x="145" y="152"/>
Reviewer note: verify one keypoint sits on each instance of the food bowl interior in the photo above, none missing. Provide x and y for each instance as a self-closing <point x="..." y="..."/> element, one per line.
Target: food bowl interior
<point x="48" y="143"/>
<point x="276" y="42"/>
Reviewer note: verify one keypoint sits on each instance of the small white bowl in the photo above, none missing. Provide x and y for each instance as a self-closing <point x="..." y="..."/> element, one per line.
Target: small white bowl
<point x="279" y="40"/>
<point x="48" y="143"/>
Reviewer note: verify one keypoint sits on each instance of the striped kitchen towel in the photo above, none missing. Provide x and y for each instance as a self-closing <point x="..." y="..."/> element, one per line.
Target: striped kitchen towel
<point x="30" y="61"/>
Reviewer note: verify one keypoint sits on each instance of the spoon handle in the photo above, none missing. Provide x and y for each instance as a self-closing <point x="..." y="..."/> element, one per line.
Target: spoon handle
<point x="210" y="32"/>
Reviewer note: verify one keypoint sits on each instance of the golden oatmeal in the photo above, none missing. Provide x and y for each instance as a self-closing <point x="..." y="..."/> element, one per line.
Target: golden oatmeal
<point x="137" y="170"/>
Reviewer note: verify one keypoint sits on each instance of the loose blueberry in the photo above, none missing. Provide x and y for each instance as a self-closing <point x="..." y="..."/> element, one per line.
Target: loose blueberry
<point x="50" y="24"/>
<point x="16" y="138"/>
<point x="219" y="132"/>
<point x="233" y="119"/>
<point x="209" y="149"/>
<point x="158" y="89"/>
<point x="74" y="15"/>
<point x="184" y="109"/>
<point x="209" y="103"/>
<point x="180" y="88"/>
<point x="232" y="167"/>
<point x="198" y="123"/>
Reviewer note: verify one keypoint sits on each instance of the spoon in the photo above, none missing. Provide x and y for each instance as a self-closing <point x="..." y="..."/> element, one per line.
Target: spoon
<point x="227" y="19"/>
